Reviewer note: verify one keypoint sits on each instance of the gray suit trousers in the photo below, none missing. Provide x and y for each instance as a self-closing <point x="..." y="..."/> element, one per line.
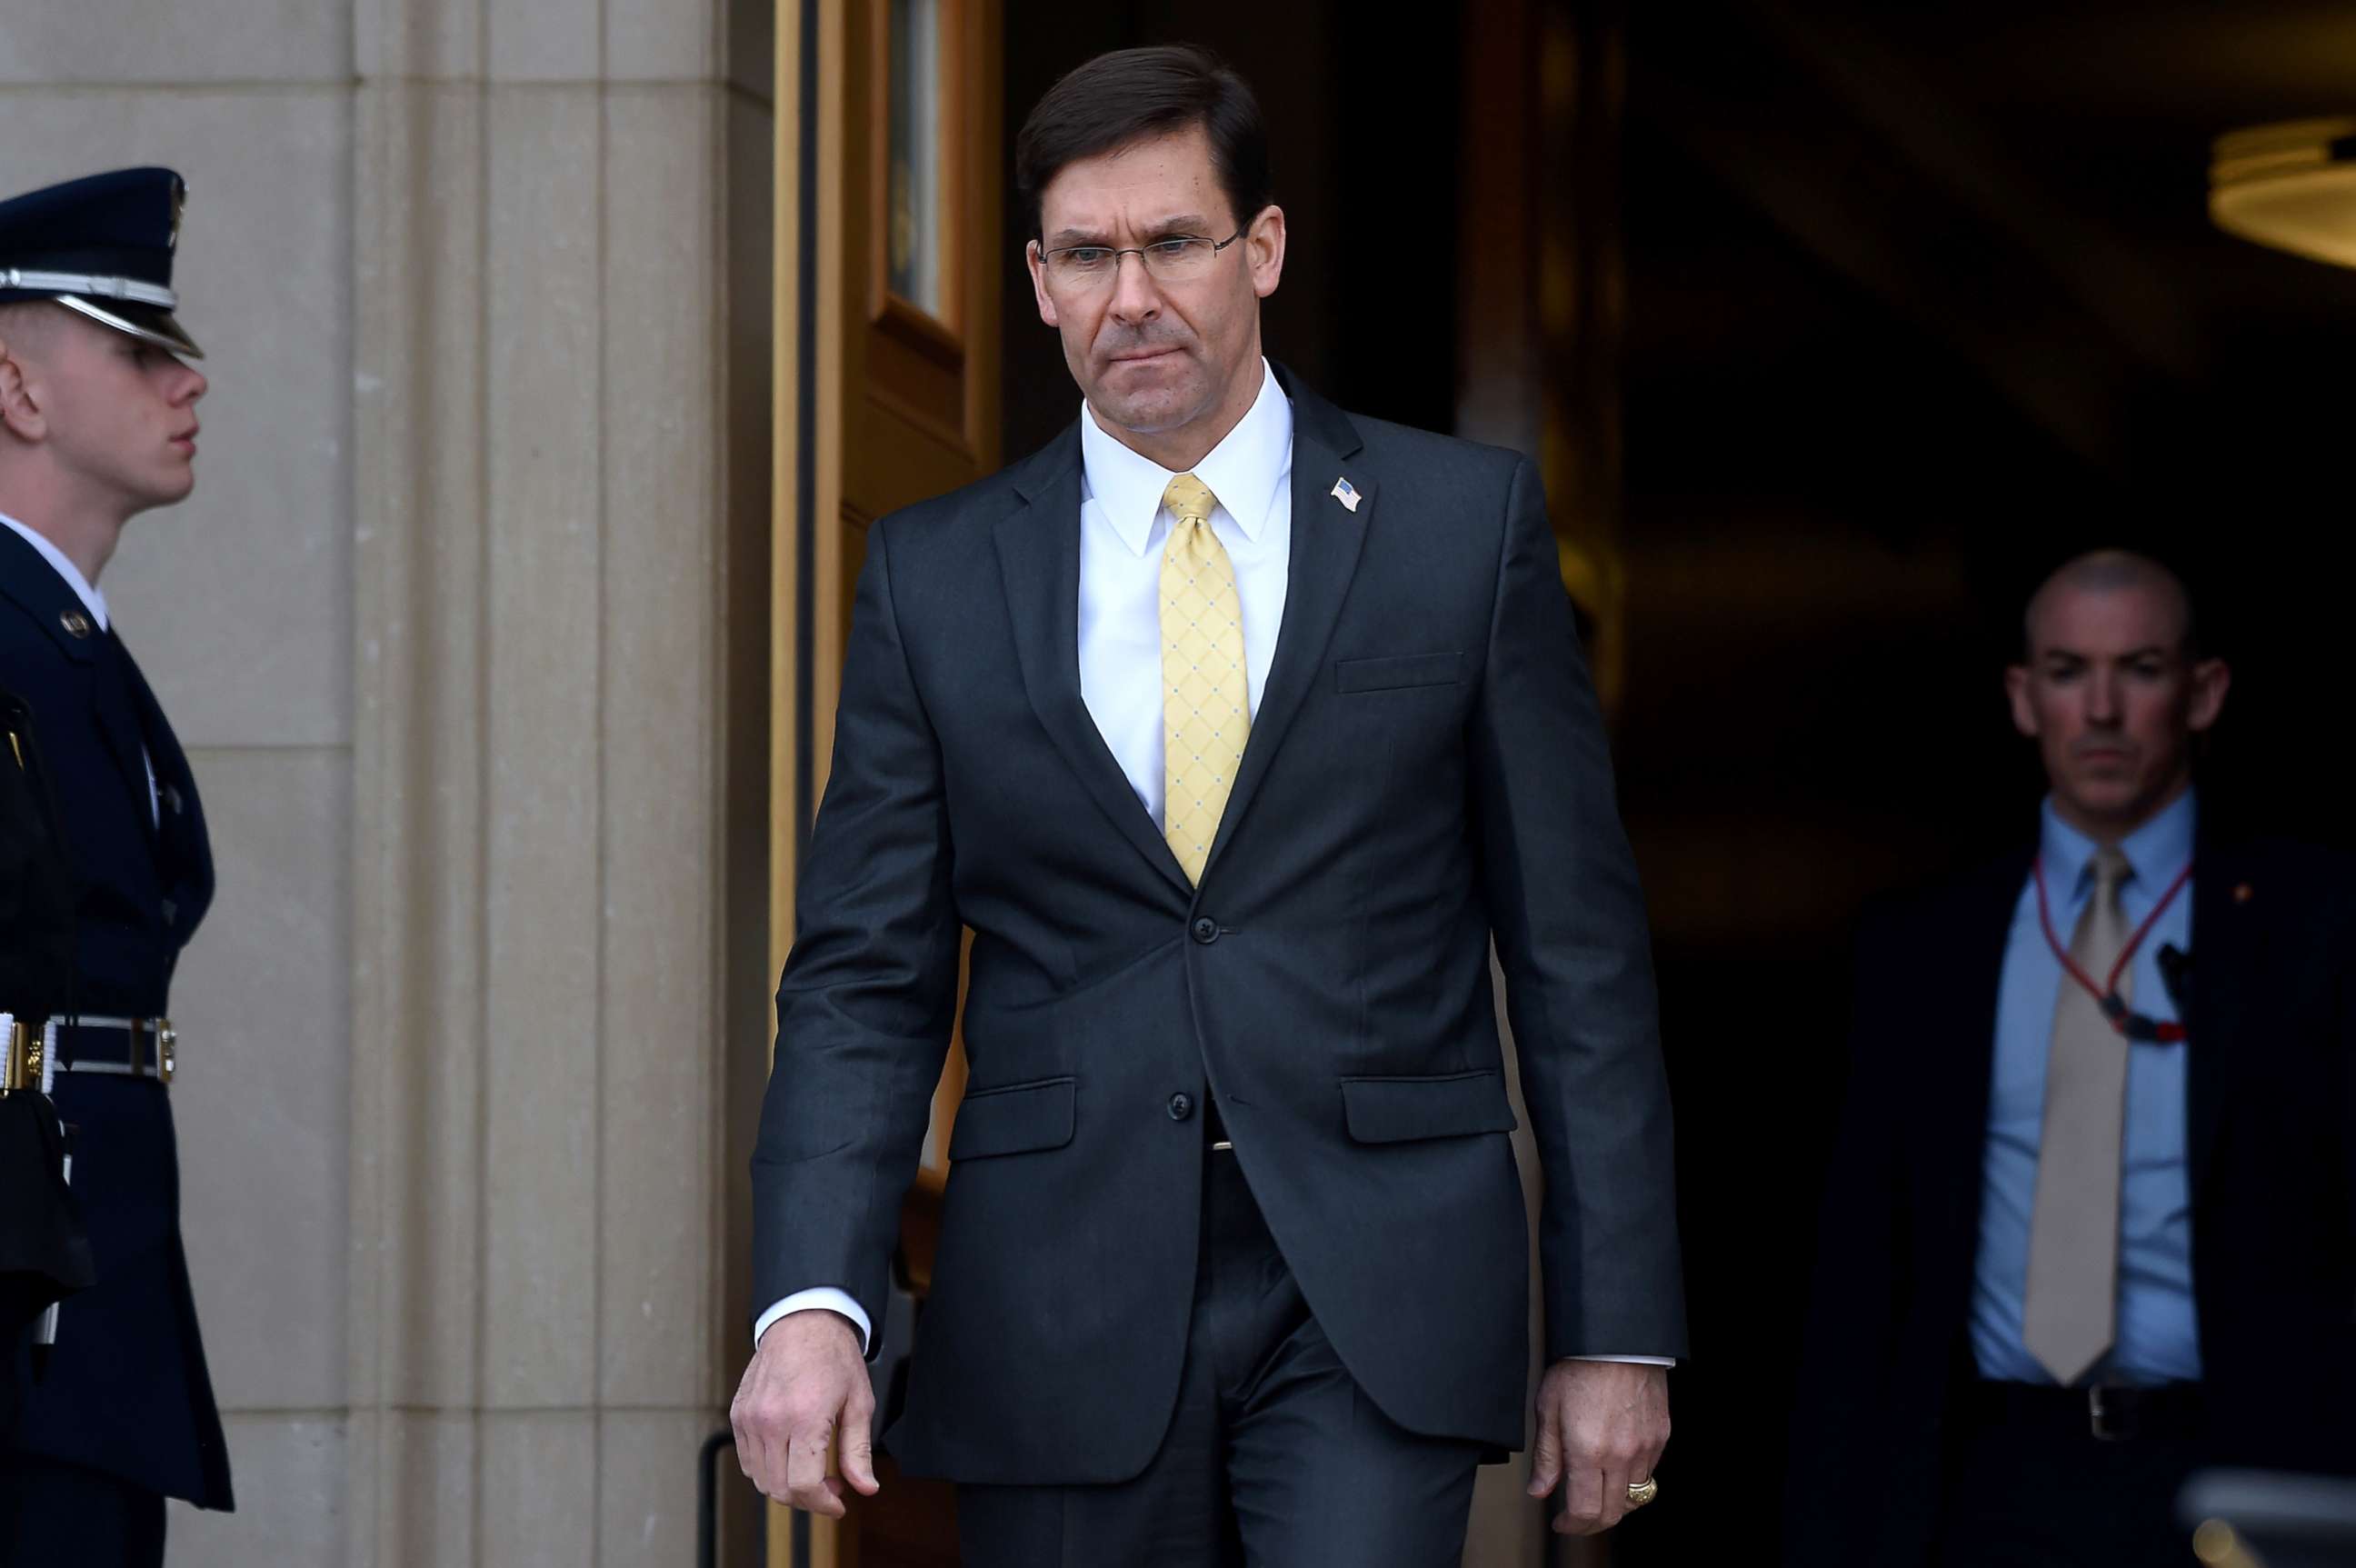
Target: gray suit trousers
<point x="1274" y="1458"/>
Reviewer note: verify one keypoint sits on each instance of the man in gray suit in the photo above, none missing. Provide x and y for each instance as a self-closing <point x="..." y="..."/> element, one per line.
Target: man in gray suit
<point x="1235" y="728"/>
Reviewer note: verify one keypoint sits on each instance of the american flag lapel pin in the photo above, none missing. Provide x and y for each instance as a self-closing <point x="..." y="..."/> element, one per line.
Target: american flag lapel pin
<point x="1346" y="493"/>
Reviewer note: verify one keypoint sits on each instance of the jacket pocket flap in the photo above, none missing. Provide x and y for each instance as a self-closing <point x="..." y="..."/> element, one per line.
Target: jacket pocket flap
<point x="1395" y="1110"/>
<point x="1013" y="1120"/>
<point x="1389" y="674"/>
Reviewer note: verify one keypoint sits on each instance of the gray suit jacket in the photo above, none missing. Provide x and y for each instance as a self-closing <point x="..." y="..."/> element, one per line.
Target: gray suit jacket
<point x="1427" y="770"/>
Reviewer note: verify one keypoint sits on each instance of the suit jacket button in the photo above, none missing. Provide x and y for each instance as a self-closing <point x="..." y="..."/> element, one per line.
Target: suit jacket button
<point x="1206" y="930"/>
<point x="1181" y="1107"/>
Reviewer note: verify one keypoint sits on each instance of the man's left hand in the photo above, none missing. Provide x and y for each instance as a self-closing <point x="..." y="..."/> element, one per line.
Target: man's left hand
<point x="1602" y="1427"/>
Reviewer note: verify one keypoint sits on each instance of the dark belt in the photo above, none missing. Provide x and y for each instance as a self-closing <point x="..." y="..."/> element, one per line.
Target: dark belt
<point x="127" y="1048"/>
<point x="2116" y="1412"/>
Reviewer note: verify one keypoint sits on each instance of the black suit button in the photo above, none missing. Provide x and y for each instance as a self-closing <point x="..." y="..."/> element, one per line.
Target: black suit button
<point x="1206" y="930"/>
<point x="1181" y="1107"/>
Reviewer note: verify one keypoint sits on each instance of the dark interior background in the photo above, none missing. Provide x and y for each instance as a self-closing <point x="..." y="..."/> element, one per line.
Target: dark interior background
<point x="1362" y="123"/>
<point x="1917" y="301"/>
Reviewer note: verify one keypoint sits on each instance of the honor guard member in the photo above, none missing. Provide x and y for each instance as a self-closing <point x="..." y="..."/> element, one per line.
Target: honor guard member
<point x="97" y="424"/>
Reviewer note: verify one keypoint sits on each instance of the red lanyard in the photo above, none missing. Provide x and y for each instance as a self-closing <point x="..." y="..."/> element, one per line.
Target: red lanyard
<point x="2107" y="995"/>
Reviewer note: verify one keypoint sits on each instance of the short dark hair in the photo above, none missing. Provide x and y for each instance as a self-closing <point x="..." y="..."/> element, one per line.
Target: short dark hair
<point x="1125" y="97"/>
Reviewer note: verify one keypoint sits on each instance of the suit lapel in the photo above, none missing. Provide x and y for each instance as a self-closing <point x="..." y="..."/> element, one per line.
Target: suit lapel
<point x="2225" y="935"/>
<point x="1327" y="539"/>
<point x="120" y="719"/>
<point x="1039" y="556"/>
<point x="36" y="589"/>
<point x="1966" y="1054"/>
<point x="173" y="812"/>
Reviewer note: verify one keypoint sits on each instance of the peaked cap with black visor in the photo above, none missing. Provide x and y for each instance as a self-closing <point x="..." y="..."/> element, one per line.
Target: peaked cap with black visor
<point x="101" y="246"/>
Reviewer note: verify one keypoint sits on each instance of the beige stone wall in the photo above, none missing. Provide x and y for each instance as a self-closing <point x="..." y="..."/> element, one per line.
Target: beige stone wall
<point x="484" y="285"/>
<point x="240" y="607"/>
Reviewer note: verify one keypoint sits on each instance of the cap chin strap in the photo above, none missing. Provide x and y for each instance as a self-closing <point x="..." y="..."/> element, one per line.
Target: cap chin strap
<point x="131" y="289"/>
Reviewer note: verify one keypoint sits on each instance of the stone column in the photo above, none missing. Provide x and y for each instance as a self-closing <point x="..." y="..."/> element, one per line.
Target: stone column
<point x="561" y="465"/>
<point x="238" y="606"/>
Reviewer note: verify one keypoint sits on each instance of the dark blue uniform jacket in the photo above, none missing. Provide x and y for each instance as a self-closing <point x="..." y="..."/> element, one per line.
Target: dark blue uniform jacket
<point x="126" y="1391"/>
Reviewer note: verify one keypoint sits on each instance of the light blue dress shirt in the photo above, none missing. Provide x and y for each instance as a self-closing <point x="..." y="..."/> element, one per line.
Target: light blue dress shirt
<point x="2159" y="1337"/>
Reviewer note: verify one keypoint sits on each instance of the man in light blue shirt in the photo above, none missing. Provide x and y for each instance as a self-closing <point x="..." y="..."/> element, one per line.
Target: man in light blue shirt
<point x="2156" y="1332"/>
<point x="2092" y="1220"/>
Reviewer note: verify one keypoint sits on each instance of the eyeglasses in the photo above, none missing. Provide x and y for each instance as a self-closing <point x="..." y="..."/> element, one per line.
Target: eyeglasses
<point x="1175" y="260"/>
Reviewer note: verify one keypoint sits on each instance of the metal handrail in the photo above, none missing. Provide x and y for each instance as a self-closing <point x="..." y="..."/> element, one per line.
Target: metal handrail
<point x="707" y="1499"/>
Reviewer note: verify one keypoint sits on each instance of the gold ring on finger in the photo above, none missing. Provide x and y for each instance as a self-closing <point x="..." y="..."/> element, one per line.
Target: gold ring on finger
<point x="1642" y="1492"/>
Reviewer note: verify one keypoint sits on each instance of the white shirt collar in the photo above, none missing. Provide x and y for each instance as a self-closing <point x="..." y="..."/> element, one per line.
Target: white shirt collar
<point x="1243" y="470"/>
<point x="92" y="599"/>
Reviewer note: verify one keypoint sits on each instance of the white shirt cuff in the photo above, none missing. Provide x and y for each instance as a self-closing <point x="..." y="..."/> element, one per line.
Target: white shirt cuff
<point x="1634" y="1360"/>
<point x="824" y="1298"/>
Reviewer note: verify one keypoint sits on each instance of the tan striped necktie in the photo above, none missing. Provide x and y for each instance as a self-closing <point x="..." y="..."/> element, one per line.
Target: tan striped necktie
<point x="2070" y="1314"/>
<point x="1205" y="705"/>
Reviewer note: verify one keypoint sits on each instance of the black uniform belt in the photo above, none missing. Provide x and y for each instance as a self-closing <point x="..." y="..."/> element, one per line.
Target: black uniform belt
<point x="127" y="1048"/>
<point x="2114" y="1412"/>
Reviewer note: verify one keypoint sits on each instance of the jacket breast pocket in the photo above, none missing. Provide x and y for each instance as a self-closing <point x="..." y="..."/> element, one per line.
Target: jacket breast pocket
<point x="1018" y="1119"/>
<point x="1352" y="675"/>
<point x="1400" y="1110"/>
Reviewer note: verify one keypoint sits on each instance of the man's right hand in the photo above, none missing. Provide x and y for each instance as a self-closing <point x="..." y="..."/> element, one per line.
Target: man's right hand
<point x="805" y="1392"/>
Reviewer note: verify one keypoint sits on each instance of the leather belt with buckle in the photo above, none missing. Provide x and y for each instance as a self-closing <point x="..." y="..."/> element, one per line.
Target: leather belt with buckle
<point x="2116" y="1412"/>
<point x="126" y="1048"/>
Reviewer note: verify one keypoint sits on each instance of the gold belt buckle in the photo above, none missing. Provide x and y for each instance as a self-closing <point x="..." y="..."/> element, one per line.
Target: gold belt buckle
<point x="167" y="1047"/>
<point x="21" y="1068"/>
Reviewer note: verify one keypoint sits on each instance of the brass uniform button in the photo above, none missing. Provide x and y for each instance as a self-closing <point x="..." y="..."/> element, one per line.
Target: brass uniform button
<point x="76" y="623"/>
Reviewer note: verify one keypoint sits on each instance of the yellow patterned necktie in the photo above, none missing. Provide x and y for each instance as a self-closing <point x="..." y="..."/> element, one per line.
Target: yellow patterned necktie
<point x="1205" y="706"/>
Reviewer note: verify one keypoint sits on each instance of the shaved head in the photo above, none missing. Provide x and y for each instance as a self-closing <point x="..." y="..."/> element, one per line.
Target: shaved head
<point x="2113" y="686"/>
<point x="27" y="325"/>
<point x="2110" y="572"/>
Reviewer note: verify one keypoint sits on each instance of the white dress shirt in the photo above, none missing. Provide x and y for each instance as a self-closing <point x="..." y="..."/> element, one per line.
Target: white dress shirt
<point x="95" y="603"/>
<point x="1123" y="530"/>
